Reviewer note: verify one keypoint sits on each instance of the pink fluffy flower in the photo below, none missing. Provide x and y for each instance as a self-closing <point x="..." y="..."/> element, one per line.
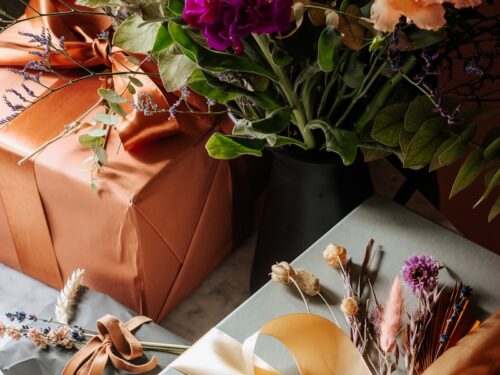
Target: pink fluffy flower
<point x="391" y="319"/>
<point x="14" y="333"/>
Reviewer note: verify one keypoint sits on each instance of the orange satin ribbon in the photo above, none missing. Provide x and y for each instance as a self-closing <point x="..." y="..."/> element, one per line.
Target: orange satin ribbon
<point x="114" y="336"/>
<point x="317" y="345"/>
<point x="477" y="353"/>
<point x="46" y="118"/>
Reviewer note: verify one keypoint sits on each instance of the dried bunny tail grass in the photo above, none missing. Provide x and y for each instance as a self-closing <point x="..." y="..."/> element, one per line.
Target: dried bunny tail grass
<point x="391" y="319"/>
<point x="66" y="299"/>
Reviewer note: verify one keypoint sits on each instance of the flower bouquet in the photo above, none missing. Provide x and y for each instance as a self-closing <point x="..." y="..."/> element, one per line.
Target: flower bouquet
<point x="377" y="76"/>
<point x="385" y="332"/>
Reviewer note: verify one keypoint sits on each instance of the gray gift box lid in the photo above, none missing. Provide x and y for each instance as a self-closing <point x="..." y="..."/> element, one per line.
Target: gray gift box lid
<point x="23" y="358"/>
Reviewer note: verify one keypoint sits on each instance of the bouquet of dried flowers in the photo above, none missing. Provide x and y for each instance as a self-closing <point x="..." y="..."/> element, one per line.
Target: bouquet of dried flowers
<point x="384" y="333"/>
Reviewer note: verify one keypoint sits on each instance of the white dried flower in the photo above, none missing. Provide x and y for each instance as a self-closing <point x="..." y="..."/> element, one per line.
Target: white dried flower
<point x="335" y="255"/>
<point x="282" y="273"/>
<point x="349" y="306"/>
<point x="66" y="299"/>
<point x="307" y="282"/>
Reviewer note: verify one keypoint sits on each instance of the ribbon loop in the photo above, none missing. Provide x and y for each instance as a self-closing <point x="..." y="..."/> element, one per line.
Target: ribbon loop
<point x="115" y="343"/>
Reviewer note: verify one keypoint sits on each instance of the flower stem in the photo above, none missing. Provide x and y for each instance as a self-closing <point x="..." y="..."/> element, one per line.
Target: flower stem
<point x="287" y="89"/>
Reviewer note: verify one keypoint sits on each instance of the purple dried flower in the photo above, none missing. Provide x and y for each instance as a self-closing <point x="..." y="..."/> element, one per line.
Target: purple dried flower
<point x="225" y="23"/>
<point x="420" y="273"/>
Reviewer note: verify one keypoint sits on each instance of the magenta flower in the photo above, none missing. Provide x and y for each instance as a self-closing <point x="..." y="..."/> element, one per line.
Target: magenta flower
<point x="420" y="273"/>
<point x="224" y="23"/>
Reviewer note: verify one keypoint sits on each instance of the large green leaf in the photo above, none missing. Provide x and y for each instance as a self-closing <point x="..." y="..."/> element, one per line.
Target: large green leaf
<point x="98" y="3"/>
<point x="425" y="38"/>
<point x="435" y="163"/>
<point x="495" y="210"/>
<point x="328" y="42"/>
<point x="215" y="61"/>
<point x="458" y="147"/>
<point x="343" y="142"/>
<point x="135" y="36"/>
<point x="276" y="122"/>
<point x="175" y="70"/>
<point x="469" y="171"/>
<point x="223" y="92"/>
<point x="354" y="74"/>
<point x="221" y="146"/>
<point x="425" y="143"/>
<point x="492" y="150"/>
<point x="419" y="110"/>
<point x="405" y="138"/>
<point x="163" y="39"/>
<point x="388" y="124"/>
<point x="493" y="182"/>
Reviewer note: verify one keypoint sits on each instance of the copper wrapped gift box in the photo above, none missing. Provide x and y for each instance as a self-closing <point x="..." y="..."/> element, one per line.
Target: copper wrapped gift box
<point x="161" y="220"/>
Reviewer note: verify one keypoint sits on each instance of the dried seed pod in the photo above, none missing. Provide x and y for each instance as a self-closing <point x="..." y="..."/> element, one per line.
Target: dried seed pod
<point x="349" y="306"/>
<point x="282" y="273"/>
<point x="335" y="255"/>
<point x="307" y="282"/>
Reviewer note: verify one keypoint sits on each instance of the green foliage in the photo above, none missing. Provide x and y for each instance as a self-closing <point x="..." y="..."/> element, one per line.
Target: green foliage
<point x="469" y="171"/>
<point x="328" y="42"/>
<point x="425" y="143"/>
<point x="107" y="119"/>
<point x="389" y="123"/>
<point x="343" y="142"/>
<point x="214" y="61"/>
<point x="99" y="3"/>
<point x="163" y="39"/>
<point x="136" y="36"/>
<point x="221" y="146"/>
<point x="419" y="110"/>
<point x="175" y="70"/>
<point x="111" y="96"/>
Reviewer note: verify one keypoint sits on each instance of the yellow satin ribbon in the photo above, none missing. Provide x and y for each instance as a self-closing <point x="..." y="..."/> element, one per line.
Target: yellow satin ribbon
<point x="114" y="337"/>
<point x="317" y="345"/>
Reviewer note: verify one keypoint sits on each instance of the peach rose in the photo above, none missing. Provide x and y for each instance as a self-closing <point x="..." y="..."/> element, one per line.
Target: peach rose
<point x="425" y="14"/>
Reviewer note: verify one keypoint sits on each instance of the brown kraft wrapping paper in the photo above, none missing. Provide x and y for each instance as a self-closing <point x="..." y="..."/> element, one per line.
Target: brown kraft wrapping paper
<point x="160" y="223"/>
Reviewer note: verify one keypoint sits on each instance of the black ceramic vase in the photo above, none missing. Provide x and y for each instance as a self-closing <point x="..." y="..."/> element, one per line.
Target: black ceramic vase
<point x="308" y="193"/>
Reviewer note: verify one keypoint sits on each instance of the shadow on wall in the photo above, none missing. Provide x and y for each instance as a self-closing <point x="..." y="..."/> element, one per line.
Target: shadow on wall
<point x="473" y="223"/>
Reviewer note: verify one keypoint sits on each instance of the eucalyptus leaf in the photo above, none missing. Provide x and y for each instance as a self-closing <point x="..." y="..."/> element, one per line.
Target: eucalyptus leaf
<point x="118" y="109"/>
<point x="175" y="70"/>
<point x="99" y="3"/>
<point x="419" y="110"/>
<point x="98" y="133"/>
<point x="469" y="171"/>
<point x="135" y="36"/>
<point x="101" y="154"/>
<point x="388" y="124"/>
<point x="135" y="81"/>
<point x="425" y="143"/>
<point x="111" y="96"/>
<point x="328" y="42"/>
<point x="220" y="146"/>
<point x="107" y="119"/>
<point x="131" y="89"/>
<point x="89" y="141"/>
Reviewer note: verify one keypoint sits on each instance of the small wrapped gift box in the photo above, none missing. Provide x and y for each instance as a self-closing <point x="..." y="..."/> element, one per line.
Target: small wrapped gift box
<point x="23" y="357"/>
<point x="162" y="218"/>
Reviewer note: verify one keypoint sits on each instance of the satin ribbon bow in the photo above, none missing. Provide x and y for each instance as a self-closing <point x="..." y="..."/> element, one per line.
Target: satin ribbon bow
<point x="317" y="345"/>
<point x="82" y="43"/>
<point x="114" y="336"/>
